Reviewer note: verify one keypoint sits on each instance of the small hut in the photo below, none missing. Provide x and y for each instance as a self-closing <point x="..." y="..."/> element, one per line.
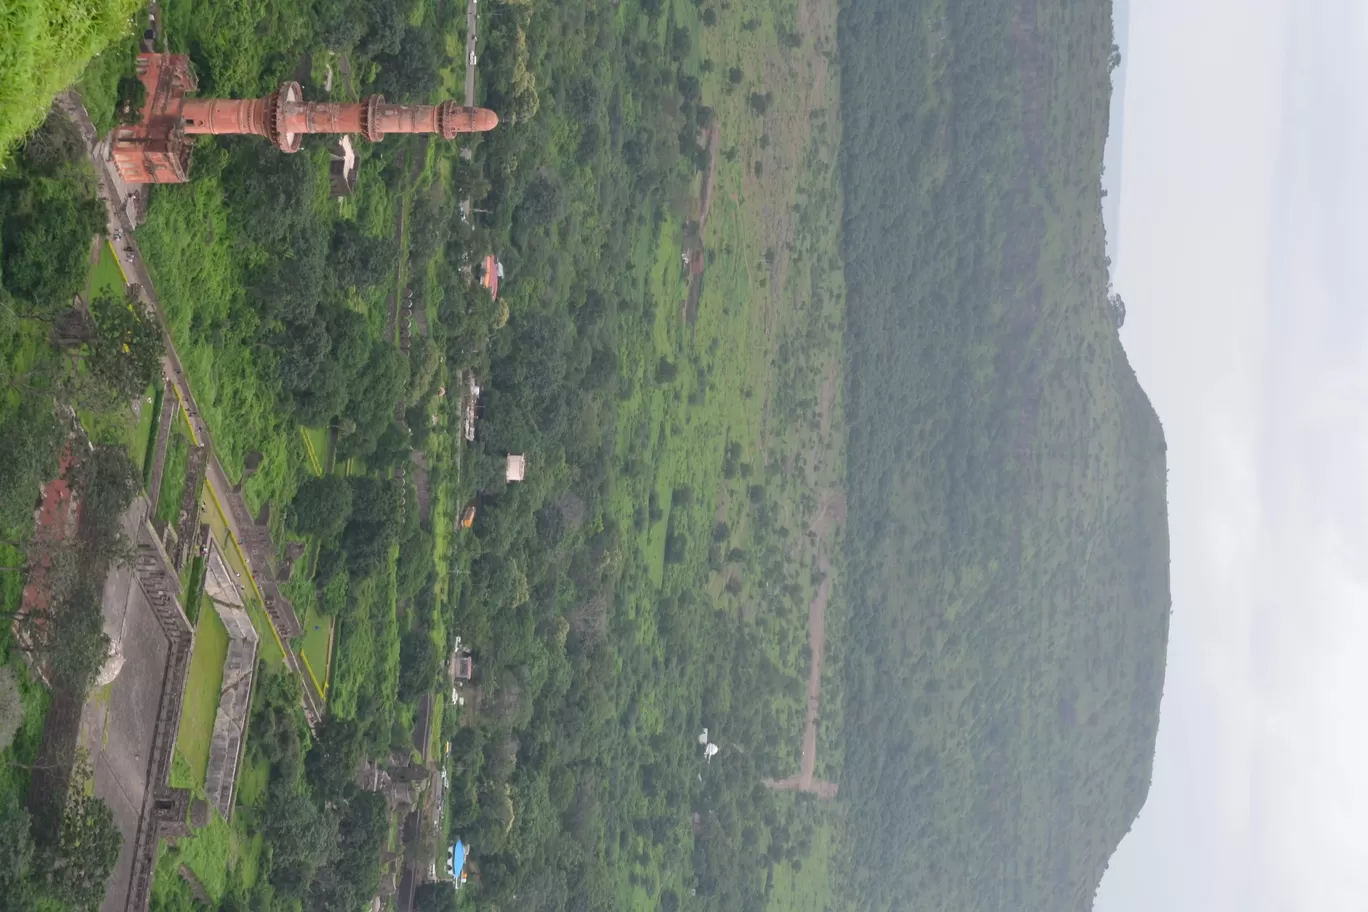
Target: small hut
<point x="342" y="168"/>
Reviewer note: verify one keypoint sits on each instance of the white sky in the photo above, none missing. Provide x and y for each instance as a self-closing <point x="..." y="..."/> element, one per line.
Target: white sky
<point x="1244" y="267"/>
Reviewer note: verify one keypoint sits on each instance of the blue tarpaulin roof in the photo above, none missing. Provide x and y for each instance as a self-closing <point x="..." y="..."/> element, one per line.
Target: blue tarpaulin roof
<point x="458" y="853"/>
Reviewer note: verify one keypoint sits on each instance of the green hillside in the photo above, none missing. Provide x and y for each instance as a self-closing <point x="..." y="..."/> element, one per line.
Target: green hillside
<point x="44" y="45"/>
<point x="1008" y="541"/>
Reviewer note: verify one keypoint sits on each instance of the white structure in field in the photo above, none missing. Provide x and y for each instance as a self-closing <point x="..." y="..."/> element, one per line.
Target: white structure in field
<point x="517" y="468"/>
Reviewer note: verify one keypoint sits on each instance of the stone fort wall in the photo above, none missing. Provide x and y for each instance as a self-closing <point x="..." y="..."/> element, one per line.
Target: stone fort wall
<point x="164" y="808"/>
<point x="235" y="705"/>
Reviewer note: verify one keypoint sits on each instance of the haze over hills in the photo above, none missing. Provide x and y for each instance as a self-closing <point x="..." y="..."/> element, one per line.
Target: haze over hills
<point x="1007" y="539"/>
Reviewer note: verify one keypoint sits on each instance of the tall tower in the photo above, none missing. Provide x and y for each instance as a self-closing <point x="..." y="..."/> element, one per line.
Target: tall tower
<point x="157" y="151"/>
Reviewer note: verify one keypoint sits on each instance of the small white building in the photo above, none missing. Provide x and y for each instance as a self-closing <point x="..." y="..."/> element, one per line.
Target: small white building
<point x="517" y="468"/>
<point x="342" y="168"/>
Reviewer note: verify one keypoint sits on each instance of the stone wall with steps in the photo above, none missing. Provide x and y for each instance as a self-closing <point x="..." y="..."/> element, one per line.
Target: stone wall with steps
<point x="235" y="704"/>
<point x="164" y="808"/>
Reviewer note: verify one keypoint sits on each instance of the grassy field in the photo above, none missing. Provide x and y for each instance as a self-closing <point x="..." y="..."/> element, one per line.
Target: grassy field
<point x="173" y="474"/>
<point x="315" y="648"/>
<point x="106" y="276"/>
<point x="143" y="444"/>
<point x="202" y="693"/>
<point x="316" y="446"/>
<point x="805" y="883"/>
<point x="221" y="856"/>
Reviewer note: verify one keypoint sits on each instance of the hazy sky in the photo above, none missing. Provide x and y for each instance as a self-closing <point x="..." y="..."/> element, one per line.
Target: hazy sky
<point x="1244" y="265"/>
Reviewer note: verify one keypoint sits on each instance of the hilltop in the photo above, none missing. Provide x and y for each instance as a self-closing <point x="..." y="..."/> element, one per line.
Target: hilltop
<point x="1007" y="538"/>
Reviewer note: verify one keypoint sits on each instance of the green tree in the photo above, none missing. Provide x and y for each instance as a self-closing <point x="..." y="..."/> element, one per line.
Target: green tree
<point x="355" y="870"/>
<point x="334" y="758"/>
<point x="16" y="856"/>
<point x="435" y="897"/>
<point x="107" y="481"/>
<point x="45" y="230"/>
<point x="414" y="570"/>
<point x="322" y="506"/>
<point x="11" y="707"/>
<point x="420" y="662"/>
<point x="125" y="350"/>
<point x="378" y="509"/>
<point x="76" y="868"/>
<point x="29" y="441"/>
<point x="74" y="642"/>
<point x="411" y="72"/>
<point x="302" y="835"/>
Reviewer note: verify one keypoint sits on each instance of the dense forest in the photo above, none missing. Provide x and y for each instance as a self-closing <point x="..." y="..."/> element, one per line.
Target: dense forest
<point x="1008" y="535"/>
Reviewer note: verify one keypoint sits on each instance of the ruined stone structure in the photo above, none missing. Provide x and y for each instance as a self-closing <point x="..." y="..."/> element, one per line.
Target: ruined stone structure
<point x="157" y="149"/>
<point x="219" y="583"/>
<point x="187" y="516"/>
<point x="164" y="808"/>
<point x="260" y="551"/>
<point x="235" y="703"/>
<point x="167" y="416"/>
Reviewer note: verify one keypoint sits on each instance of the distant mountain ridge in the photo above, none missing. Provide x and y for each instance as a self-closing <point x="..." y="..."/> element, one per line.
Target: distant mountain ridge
<point x="1007" y="539"/>
<point x="1112" y="159"/>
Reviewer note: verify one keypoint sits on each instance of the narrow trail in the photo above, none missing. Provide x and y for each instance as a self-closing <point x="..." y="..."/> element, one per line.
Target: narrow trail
<point x="829" y="514"/>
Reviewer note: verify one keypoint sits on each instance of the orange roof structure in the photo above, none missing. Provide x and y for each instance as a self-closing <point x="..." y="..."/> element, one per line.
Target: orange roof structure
<point x="491" y="276"/>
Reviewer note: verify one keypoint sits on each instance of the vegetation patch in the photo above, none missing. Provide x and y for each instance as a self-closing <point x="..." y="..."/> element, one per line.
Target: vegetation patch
<point x="44" y="45"/>
<point x="202" y="687"/>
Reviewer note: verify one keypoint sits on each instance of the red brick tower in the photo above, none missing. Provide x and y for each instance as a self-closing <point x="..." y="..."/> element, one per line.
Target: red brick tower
<point x="157" y="151"/>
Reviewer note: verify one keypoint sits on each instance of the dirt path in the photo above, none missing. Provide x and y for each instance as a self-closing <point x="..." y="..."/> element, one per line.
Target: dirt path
<point x="709" y="179"/>
<point x="699" y="256"/>
<point x="829" y="515"/>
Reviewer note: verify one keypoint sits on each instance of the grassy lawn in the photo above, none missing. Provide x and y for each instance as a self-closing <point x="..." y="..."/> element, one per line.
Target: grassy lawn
<point x="809" y="887"/>
<point x="173" y="476"/>
<point x="144" y="441"/>
<point x="106" y="276"/>
<point x="202" y="692"/>
<point x="221" y="856"/>
<point x="316" y="446"/>
<point x="314" y="651"/>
